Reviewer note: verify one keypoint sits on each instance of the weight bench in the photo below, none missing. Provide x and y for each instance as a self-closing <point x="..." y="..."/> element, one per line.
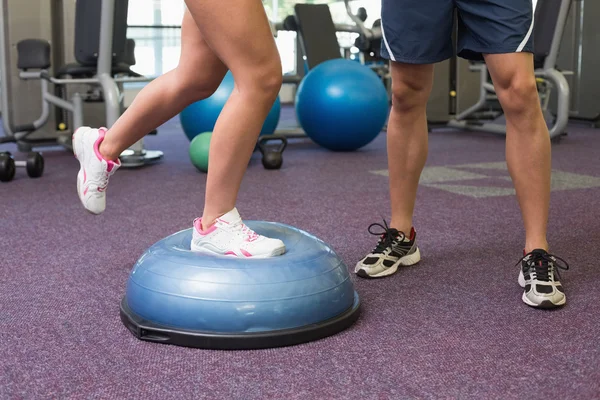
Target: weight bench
<point x="550" y="20"/>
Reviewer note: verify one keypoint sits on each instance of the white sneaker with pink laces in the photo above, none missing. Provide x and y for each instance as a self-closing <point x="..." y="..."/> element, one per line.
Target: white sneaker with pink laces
<point x="231" y="237"/>
<point x="95" y="171"/>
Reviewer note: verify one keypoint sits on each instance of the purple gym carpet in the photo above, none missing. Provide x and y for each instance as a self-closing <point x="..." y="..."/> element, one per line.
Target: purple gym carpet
<point x="453" y="327"/>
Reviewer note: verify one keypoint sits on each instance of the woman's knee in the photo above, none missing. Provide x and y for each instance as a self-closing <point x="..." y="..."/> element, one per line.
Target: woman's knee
<point x="261" y="81"/>
<point x="258" y="82"/>
<point x="196" y="86"/>
<point x="272" y="80"/>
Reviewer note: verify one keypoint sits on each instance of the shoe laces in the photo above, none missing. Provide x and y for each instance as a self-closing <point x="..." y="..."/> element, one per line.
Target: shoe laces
<point x="386" y="238"/>
<point x="246" y="232"/>
<point x="104" y="181"/>
<point x="543" y="265"/>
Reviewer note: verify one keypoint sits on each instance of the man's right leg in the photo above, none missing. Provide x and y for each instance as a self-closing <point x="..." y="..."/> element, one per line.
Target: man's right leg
<point x="407" y="139"/>
<point x="416" y="35"/>
<point x="407" y="153"/>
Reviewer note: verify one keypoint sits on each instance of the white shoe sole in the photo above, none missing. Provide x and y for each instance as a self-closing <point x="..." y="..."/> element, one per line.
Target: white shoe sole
<point x="405" y="261"/>
<point x="203" y="250"/>
<point x="77" y="145"/>
<point x="544" y="303"/>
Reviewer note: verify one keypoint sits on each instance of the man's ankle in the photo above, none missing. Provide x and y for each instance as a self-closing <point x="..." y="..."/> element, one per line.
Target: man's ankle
<point x="405" y="228"/>
<point x="534" y="245"/>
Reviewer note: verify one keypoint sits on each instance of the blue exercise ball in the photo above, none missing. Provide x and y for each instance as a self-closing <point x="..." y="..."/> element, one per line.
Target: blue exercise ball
<point x="342" y="105"/>
<point x="202" y="115"/>
<point x="184" y="298"/>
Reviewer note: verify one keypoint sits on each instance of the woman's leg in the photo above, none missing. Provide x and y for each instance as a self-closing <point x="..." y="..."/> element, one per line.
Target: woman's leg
<point x="197" y="76"/>
<point x="240" y="34"/>
<point x="235" y="36"/>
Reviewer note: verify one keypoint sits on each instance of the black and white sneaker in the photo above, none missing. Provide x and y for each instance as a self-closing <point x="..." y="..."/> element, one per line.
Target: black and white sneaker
<point x="394" y="249"/>
<point x="540" y="279"/>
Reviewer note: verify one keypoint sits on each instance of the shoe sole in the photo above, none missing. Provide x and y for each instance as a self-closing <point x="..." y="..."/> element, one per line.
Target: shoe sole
<point x="277" y="252"/>
<point x="544" y="304"/>
<point x="75" y="140"/>
<point x="405" y="261"/>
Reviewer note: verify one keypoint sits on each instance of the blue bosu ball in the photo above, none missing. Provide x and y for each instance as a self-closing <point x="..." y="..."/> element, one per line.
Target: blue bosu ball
<point x="180" y="297"/>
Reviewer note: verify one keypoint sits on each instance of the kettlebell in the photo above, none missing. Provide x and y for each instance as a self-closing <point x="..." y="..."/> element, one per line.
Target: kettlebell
<point x="272" y="155"/>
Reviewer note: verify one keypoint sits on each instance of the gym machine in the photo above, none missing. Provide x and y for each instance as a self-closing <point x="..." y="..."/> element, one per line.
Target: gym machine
<point x="103" y="56"/>
<point x="550" y="20"/>
<point x="579" y="53"/>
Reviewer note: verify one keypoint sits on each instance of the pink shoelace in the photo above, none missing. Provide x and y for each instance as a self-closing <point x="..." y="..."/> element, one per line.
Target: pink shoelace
<point x="104" y="185"/>
<point x="251" y="235"/>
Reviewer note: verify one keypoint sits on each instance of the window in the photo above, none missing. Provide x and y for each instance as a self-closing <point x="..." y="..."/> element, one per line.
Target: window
<point x="155" y="25"/>
<point x="156" y="28"/>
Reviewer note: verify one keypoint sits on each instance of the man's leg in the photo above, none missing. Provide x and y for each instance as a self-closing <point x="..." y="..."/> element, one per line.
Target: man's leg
<point x="502" y="30"/>
<point x="529" y="164"/>
<point x="407" y="153"/>
<point x="407" y="139"/>
<point x="527" y="141"/>
<point x="415" y="36"/>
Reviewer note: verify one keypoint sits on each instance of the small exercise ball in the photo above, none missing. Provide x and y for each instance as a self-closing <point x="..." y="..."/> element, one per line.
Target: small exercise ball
<point x="176" y="296"/>
<point x="342" y="105"/>
<point x="202" y="115"/>
<point x="199" y="148"/>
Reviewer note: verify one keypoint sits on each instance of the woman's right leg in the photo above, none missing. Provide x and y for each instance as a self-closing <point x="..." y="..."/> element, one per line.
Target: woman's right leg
<point x="197" y="76"/>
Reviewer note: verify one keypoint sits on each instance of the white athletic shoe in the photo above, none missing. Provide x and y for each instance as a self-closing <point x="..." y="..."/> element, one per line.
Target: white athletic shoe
<point x="95" y="171"/>
<point x="539" y="278"/>
<point x="394" y="249"/>
<point x="231" y="237"/>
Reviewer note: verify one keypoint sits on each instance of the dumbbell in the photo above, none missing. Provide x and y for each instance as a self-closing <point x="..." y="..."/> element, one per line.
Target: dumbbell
<point x="272" y="155"/>
<point x="8" y="166"/>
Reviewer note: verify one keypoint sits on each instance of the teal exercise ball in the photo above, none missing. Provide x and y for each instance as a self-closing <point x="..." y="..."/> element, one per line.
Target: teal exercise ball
<point x="342" y="105"/>
<point x="202" y="115"/>
<point x="199" y="150"/>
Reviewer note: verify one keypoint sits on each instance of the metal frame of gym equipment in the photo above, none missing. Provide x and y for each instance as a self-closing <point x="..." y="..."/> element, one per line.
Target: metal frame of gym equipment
<point x="111" y="87"/>
<point x="578" y="54"/>
<point x="547" y="72"/>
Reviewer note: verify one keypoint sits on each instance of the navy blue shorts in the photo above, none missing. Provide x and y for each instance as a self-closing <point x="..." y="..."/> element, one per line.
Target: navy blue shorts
<point x="420" y="31"/>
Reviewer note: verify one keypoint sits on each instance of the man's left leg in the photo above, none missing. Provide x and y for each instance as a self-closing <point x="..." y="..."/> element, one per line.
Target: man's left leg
<point x="527" y="141"/>
<point x="502" y="31"/>
<point x="528" y="154"/>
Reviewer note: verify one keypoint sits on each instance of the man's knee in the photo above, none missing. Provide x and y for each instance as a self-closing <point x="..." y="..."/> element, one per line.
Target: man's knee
<point x="517" y="93"/>
<point x="409" y="96"/>
<point x="411" y="86"/>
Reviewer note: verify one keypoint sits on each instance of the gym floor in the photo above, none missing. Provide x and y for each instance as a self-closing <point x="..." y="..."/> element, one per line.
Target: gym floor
<point x="452" y="327"/>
